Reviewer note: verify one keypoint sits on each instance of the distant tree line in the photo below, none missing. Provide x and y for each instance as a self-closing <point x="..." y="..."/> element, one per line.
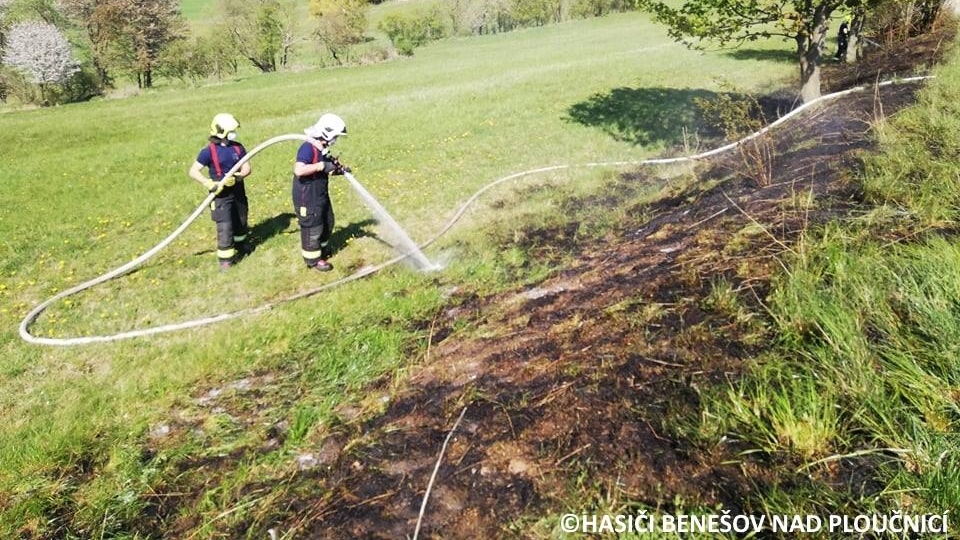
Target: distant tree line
<point x="57" y="51"/>
<point x="465" y="17"/>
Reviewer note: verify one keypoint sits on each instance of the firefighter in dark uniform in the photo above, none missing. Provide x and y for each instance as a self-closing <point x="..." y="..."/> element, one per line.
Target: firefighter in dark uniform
<point x="229" y="207"/>
<point x="843" y="37"/>
<point x="311" y="197"/>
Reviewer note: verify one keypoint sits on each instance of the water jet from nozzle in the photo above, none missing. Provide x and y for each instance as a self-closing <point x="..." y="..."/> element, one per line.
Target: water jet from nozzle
<point x="405" y="245"/>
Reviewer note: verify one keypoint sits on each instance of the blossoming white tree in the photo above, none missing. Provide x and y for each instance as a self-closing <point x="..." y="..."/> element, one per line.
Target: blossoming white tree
<point x="41" y="52"/>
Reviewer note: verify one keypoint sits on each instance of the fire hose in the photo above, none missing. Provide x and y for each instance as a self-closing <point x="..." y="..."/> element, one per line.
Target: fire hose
<point x="366" y="271"/>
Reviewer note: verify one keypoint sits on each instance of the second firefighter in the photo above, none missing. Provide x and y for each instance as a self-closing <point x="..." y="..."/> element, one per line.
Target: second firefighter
<point x="311" y="196"/>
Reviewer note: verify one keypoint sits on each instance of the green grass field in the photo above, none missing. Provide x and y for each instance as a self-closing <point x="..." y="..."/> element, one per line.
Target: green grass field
<point x="89" y="186"/>
<point x="194" y="10"/>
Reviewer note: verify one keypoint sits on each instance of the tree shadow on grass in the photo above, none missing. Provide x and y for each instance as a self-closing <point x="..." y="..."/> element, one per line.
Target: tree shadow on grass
<point x="650" y="116"/>
<point x="784" y="56"/>
<point x="645" y="116"/>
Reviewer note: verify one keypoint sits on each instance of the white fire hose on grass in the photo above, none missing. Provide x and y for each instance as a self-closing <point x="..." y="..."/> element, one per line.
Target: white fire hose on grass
<point x="412" y="249"/>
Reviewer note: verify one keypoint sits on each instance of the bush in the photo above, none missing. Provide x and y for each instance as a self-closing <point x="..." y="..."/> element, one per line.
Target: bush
<point x="83" y="86"/>
<point x="186" y="60"/>
<point x="407" y="32"/>
<point x="599" y="8"/>
<point x="374" y="55"/>
<point x="17" y="89"/>
<point x="895" y="21"/>
<point x="737" y="116"/>
<point x="536" y="12"/>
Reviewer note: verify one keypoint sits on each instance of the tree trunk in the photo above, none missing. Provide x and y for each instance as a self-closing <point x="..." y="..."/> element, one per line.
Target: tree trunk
<point x="102" y="74"/>
<point x="809" y="49"/>
<point x="809" y="70"/>
<point x="263" y="66"/>
<point x="98" y="53"/>
<point x="855" y="44"/>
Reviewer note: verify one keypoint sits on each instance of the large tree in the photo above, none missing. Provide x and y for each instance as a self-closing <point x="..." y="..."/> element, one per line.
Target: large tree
<point x="738" y="21"/>
<point x="341" y="23"/>
<point x="128" y="35"/>
<point x="41" y="52"/>
<point x="151" y="26"/>
<point x="104" y="22"/>
<point x="262" y="31"/>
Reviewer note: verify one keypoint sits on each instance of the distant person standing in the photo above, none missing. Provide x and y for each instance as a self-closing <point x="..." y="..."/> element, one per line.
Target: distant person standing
<point x="229" y="208"/>
<point x="311" y="196"/>
<point x="843" y="36"/>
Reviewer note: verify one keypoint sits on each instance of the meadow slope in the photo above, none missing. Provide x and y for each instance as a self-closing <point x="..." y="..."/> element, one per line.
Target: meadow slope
<point x="118" y="440"/>
<point x="616" y="338"/>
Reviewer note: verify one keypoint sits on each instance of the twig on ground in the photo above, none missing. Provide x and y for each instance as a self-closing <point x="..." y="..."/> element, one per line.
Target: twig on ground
<point x="661" y="362"/>
<point x="443" y="449"/>
<point x="553" y="393"/>
<point x="373" y="499"/>
<point x="708" y="218"/>
<point x="571" y="454"/>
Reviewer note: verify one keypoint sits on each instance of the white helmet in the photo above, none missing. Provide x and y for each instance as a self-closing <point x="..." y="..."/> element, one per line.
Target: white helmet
<point x="328" y="128"/>
<point x="223" y="125"/>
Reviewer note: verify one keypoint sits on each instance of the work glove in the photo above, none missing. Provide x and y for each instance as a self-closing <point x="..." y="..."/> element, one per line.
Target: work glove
<point x="213" y="187"/>
<point x="229" y="181"/>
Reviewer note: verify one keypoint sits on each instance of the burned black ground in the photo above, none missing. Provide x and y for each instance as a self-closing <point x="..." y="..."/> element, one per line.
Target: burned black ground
<point x="580" y="382"/>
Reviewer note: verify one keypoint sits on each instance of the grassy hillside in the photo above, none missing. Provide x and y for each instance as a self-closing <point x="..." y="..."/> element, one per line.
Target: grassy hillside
<point x="865" y="369"/>
<point x="90" y="186"/>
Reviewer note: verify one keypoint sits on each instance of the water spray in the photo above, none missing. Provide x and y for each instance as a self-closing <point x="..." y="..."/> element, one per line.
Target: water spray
<point x="406" y="245"/>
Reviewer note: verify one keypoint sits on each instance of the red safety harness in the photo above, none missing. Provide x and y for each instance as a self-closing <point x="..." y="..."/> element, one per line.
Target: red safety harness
<point x="316" y="159"/>
<point x="216" y="158"/>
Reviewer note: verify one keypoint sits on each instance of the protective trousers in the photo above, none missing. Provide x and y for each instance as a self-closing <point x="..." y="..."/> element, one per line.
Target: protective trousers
<point x="311" y="202"/>
<point x="229" y="210"/>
